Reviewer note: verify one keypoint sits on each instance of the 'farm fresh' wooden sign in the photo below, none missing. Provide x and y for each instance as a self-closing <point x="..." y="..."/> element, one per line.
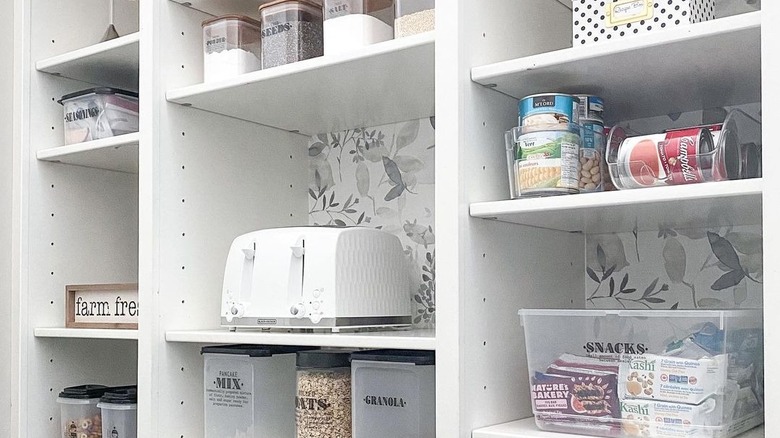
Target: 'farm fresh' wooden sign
<point x="105" y="306"/>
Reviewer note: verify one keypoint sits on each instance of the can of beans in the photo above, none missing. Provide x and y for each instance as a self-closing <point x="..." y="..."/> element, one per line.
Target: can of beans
<point x="592" y="164"/>
<point x="675" y="157"/>
<point x="591" y="107"/>
<point x="540" y="110"/>
<point x="547" y="161"/>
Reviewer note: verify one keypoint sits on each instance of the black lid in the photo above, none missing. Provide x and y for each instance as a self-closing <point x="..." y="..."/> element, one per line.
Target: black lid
<point x="323" y="359"/>
<point x="99" y="90"/>
<point x="416" y="357"/>
<point x="83" y="392"/>
<point x="252" y="350"/>
<point x="121" y="395"/>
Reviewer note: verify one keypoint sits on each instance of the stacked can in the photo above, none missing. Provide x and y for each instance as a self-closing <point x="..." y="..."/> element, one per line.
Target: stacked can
<point x="593" y="174"/>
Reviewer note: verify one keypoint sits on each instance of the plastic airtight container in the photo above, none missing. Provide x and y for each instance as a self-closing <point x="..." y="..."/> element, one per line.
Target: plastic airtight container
<point x="393" y="394"/>
<point x="292" y="31"/>
<point x="659" y="373"/>
<point x="414" y="16"/>
<point x="79" y="414"/>
<point x="249" y="390"/>
<point x="351" y="24"/>
<point x="98" y="113"/>
<point x="323" y="404"/>
<point x="118" y="408"/>
<point x="231" y="47"/>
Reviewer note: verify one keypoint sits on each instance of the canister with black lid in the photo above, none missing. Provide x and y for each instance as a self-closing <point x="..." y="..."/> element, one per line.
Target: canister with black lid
<point x="79" y="414"/>
<point x="118" y="408"/>
<point x="324" y="397"/>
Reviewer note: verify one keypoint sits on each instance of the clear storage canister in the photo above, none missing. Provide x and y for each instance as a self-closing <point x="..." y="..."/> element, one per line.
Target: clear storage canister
<point x="351" y="24"/>
<point x="118" y="409"/>
<point x="323" y="405"/>
<point x="79" y="414"/>
<point x="231" y="47"/>
<point x="292" y="31"/>
<point x="413" y="17"/>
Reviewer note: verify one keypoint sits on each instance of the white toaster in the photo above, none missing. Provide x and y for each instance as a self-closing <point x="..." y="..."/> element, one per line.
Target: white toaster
<point x="316" y="277"/>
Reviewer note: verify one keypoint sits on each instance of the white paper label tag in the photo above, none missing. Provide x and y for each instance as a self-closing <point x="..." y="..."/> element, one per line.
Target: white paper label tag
<point x="629" y="11"/>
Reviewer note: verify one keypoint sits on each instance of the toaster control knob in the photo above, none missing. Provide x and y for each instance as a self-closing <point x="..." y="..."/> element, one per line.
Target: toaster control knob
<point x="298" y="310"/>
<point x="236" y="310"/>
<point x="317" y="292"/>
<point x="316" y="317"/>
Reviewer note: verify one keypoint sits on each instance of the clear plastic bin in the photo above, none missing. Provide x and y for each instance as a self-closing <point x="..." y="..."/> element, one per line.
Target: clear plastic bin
<point x="414" y="16"/>
<point x="249" y="390"/>
<point x="323" y="407"/>
<point x="118" y="409"/>
<point x="351" y="24"/>
<point x="393" y="394"/>
<point x="646" y="373"/>
<point x="231" y="47"/>
<point x="79" y="414"/>
<point x="98" y="113"/>
<point x="292" y="31"/>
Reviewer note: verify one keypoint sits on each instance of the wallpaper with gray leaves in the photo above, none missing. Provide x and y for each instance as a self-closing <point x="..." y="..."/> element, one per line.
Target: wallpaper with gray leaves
<point x="382" y="177"/>
<point x="695" y="268"/>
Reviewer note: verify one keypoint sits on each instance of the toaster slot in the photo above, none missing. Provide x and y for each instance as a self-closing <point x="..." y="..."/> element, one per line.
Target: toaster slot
<point x="295" y="279"/>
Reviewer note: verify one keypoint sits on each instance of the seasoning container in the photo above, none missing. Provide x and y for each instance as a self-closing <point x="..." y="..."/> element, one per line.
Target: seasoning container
<point x="393" y="394"/>
<point x="249" y="390"/>
<point x="292" y="31"/>
<point x="118" y="408"/>
<point x="413" y="17"/>
<point x="548" y="109"/>
<point x="592" y="162"/>
<point x="323" y="405"/>
<point x="97" y="113"/>
<point x="545" y="160"/>
<point x="231" y="47"/>
<point x="351" y="24"/>
<point x="79" y="414"/>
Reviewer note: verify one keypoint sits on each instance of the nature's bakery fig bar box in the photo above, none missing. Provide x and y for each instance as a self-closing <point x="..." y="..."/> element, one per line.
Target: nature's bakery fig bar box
<point x="671" y="379"/>
<point x="577" y="393"/>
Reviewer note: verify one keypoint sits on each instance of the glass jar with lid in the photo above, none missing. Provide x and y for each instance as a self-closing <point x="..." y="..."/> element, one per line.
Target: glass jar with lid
<point x="323" y="403"/>
<point x="231" y="47"/>
<point x="291" y="31"/>
<point x="351" y="24"/>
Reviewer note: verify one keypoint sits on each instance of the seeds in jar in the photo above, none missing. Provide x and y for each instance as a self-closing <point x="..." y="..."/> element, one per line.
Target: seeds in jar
<point x="294" y="41"/>
<point x="324" y="404"/>
<point x="548" y="162"/>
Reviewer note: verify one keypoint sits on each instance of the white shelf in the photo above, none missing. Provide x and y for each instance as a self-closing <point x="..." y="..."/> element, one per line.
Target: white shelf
<point x="527" y="429"/>
<point x="383" y="83"/>
<point x="113" y="63"/>
<point x="418" y="339"/>
<point x="704" y="65"/>
<point x="224" y="7"/>
<point x="61" y="332"/>
<point x="118" y="153"/>
<point x="699" y="205"/>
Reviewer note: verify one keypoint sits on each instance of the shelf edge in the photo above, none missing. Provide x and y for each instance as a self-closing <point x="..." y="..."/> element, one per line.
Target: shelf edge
<point x="46" y="64"/>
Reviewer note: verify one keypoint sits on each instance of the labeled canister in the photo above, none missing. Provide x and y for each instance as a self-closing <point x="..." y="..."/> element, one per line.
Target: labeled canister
<point x="675" y="157"/>
<point x="548" y="109"/>
<point x="547" y="162"/>
<point x="592" y="164"/>
<point x="591" y="107"/>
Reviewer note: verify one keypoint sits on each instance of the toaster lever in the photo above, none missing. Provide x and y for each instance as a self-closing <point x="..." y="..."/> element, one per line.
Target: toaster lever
<point x="298" y="250"/>
<point x="249" y="253"/>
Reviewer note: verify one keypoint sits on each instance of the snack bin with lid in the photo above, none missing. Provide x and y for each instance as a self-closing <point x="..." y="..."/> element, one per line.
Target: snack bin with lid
<point x="352" y="24"/>
<point x="119" y="412"/>
<point x="249" y="390"/>
<point x="414" y="16"/>
<point x="323" y="404"/>
<point x="97" y="113"/>
<point x="393" y="394"/>
<point x="79" y="414"/>
<point x="292" y="31"/>
<point x="231" y="47"/>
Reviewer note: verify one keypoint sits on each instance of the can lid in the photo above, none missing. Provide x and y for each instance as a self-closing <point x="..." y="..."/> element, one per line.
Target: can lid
<point x="237" y="17"/>
<point x="121" y="395"/>
<point x="415" y="357"/>
<point x="98" y="90"/>
<point x="251" y="350"/>
<point x="323" y="359"/>
<point x="83" y="392"/>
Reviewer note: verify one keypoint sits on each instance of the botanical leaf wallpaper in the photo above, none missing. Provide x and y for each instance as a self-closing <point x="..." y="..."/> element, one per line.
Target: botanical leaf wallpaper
<point x="692" y="268"/>
<point x="382" y="177"/>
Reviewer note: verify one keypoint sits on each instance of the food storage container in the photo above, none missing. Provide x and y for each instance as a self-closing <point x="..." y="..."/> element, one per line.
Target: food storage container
<point x="292" y="31"/>
<point x="393" y="394"/>
<point x="351" y="24"/>
<point x="653" y="373"/>
<point x="413" y="17"/>
<point x="79" y="414"/>
<point x="249" y="390"/>
<point x="323" y="405"/>
<point x="98" y="113"/>
<point x="598" y="21"/>
<point x="231" y="47"/>
<point x="118" y="408"/>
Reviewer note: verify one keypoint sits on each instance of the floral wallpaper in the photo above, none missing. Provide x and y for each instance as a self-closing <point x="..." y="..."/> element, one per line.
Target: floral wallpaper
<point x="382" y="177"/>
<point x="692" y="268"/>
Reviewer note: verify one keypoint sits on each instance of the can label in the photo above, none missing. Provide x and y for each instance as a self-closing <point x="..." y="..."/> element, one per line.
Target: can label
<point x="677" y="157"/>
<point x="548" y="162"/>
<point x="593" y="167"/>
<point x="591" y="108"/>
<point x="549" y="109"/>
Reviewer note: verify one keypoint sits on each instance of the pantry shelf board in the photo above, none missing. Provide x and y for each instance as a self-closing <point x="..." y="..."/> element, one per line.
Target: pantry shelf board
<point x="705" y="65"/>
<point x="693" y="205"/>
<point x="416" y="339"/>
<point x="62" y="332"/>
<point x="383" y="83"/>
<point x="526" y="428"/>
<point x="112" y="63"/>
<point x="224" y="7"/>
<point x="118" y="153"/>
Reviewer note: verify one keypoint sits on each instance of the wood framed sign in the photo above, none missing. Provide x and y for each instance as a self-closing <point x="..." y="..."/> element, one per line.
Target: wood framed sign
<point x="102" y="306"/>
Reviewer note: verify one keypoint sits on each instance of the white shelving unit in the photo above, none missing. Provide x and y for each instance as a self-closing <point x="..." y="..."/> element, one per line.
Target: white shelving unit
<point x="62" y="332"/>
<point x="118" y="153"/>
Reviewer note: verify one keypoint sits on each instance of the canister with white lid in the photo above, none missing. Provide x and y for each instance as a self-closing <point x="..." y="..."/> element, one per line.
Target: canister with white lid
<point x="118" y="408"/>
<point x="351" y="24"/>
<point x="79" y="414"/>
<point x="393" y="394"/>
